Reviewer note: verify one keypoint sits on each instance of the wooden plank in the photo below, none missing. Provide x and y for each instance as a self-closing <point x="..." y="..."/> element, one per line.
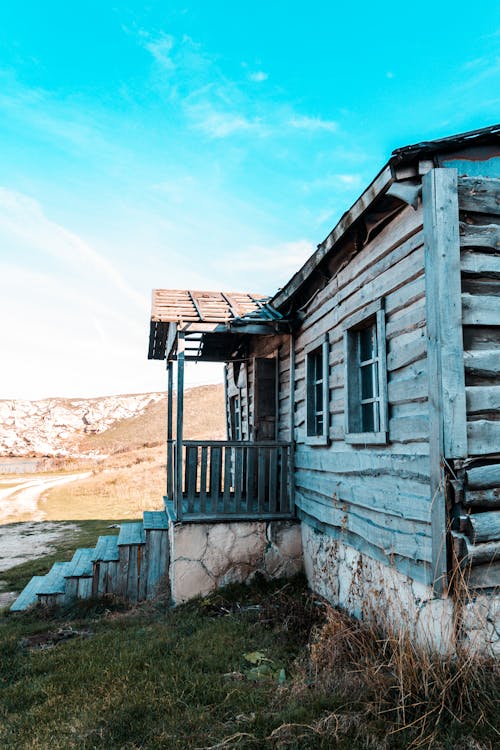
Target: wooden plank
<point x="483" y="362"/>
<point x="131" y="533"/>
<point x="410" y="384"/>
<point x="480" y="309"/>
<point x="479" y="195"/>
<point x="475" y="554"/>
<point x="262" y="460"/>
<point x="250" y="477"/>
<point x="132" y="582"/>
<point x="227" y="478"/>
<point x="238" y="478"/>
<point x="447" y="424"/>
<point x="191" y="476"/>
<point x="28" y="596"/>
<point x="480" y="235"/>
<point x="483" y="527"/>
<point x="215" y="475"/>
<point x="403" y="354"/>
<point x="414" y="546"/>
<point x="203" y="478"/>
<point x="483" y="499"/>
<point x="482" y="398"/>
<point x="388" y="496"/>
<point x="273" y="480"/>
<point x="284" y="493"/>
<point x="179" y="425"/>
<point x="483" y="477"/>
<point x="483" y="437"/>
<point x="484" y="576"/>
<point x="483" y="264"/>
<point x="170" y="447"/>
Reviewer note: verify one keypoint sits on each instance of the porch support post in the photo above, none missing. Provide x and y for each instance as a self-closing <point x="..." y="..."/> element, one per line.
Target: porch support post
<point x="291" y="464"/>
<point x="170" y="442"/>
<point x="180" y="421"/>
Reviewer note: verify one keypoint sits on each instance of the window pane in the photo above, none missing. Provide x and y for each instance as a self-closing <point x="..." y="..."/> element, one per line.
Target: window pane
<point x="368" y="423"/>
<point x="315" y="392"/>
<point x="367" y="390"/>
<point x="367" y="343"/>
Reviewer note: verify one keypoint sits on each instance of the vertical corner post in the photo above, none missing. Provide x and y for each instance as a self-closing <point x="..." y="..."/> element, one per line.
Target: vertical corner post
<point x="291" y="465"/>
<point x="170" y="442"/>
<point x="180" y="424"/>
<point x="447" y="412"/>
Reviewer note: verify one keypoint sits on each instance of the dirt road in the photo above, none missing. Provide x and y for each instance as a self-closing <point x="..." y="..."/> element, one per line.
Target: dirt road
<point x="19" y="497"/>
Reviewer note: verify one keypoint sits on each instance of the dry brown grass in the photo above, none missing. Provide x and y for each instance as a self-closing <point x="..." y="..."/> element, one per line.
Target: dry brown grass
<point x="423" y="698"/>
<point x="132" y="477"/>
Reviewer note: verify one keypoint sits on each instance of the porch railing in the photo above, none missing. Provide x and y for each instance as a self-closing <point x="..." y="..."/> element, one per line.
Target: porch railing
<point x="221" y="480"/>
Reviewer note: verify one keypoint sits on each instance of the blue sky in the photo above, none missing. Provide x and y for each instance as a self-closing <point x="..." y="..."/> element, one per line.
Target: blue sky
<point x="198" y="144"/>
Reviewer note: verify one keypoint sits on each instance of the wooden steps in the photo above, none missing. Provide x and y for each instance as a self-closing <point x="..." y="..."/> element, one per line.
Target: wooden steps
<point x="52" y="588"/>
<point x="28" y="596"/>
<point x="130" y="564"/>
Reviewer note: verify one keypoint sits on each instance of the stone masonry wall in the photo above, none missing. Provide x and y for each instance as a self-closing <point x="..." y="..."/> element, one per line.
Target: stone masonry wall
<point x="205" y="556"/>
<point x="369" y="589"/>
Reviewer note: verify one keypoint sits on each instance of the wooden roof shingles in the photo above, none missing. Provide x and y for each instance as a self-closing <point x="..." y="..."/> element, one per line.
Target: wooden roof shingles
<point x="187" y="306"/>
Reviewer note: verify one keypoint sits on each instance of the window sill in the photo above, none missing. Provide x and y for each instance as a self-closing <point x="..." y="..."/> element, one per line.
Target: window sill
<point x="366" y="438"/>
<point x="316" y="440"/>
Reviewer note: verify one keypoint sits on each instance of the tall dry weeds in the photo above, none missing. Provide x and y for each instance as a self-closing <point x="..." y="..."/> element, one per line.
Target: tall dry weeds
<point x="418" y="693"/>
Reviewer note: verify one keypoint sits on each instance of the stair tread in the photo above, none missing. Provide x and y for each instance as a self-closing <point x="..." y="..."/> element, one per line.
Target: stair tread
<point x="155" y="519"/>
<point x="28" y="595"/>
<point x="131" y="533"/>
<point x="106" y="549"/>
<point x="81" y="564"/>
<point x="54" y="582"/>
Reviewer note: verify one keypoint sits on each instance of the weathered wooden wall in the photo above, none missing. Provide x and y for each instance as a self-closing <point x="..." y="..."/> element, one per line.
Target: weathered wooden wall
<point x="477" y="491"/>
<point x="375" y="497"/>
<point x="479" y="206"/>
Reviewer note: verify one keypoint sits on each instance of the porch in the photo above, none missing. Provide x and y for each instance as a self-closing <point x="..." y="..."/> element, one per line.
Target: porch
<point x="220" y="480"/>
<point x="233" y="481"/>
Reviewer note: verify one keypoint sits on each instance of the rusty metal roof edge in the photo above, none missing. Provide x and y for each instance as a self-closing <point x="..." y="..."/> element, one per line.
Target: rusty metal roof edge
<point x="379" y="185"/>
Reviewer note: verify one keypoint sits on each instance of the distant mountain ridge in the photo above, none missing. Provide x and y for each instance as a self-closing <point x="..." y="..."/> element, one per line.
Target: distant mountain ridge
<point x="55" y="426"/>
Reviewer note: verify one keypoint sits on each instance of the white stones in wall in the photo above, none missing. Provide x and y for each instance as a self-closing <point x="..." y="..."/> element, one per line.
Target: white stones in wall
<point x="205" y="556"/>
<point x="369" y="589"/>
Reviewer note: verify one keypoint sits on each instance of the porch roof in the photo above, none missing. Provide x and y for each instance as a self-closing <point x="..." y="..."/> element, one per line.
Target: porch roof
<point x="213" y="321"/>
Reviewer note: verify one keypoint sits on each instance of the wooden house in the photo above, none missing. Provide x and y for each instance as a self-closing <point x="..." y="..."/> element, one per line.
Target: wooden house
<point x="364" y="396"/>
<point x="363" y="417"/>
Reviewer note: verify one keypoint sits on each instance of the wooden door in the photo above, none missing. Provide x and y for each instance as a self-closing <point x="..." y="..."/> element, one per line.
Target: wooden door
<point x="265" y="399"/>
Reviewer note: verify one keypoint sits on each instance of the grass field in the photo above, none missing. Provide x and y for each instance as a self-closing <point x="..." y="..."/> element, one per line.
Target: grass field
<point x="264" y="666"/>
<point x="132" y="477"/>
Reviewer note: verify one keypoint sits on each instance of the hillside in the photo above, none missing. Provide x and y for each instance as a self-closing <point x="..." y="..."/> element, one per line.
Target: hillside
<point x="126" y="461"/>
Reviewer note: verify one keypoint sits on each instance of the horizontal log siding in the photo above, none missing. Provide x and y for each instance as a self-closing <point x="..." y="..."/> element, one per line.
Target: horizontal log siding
<point x="479" y="211"/>
<point x="376" y="498"/>
<point x="479" y="207"/>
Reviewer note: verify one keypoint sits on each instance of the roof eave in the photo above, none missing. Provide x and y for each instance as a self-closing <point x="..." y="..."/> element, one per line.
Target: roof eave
<point x="377" y="187"/>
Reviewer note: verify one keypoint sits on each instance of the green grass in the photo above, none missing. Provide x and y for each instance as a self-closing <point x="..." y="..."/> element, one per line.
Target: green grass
<point x="154" y="678"/>
<point x="150" y="677"/>
<point x="85" y="535"/>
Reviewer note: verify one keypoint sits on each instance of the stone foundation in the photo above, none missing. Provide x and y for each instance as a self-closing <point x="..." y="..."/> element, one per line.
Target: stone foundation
<point x="205" y="556"/>
<point x="370" y="590"/>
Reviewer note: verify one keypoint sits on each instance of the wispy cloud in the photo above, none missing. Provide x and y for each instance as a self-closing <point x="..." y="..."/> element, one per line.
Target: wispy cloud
<point x="333" y="181"/>
<point x="258" y="76"/>
<point x="272" y="264"/>
<point x="23" y="218"/>
<point x="312" y="124"/>
<point x="222" y="124"/>
<point x="219" y="106"/>
<point x="160" y="48"/>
